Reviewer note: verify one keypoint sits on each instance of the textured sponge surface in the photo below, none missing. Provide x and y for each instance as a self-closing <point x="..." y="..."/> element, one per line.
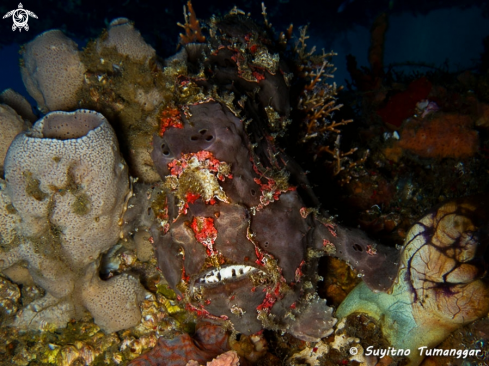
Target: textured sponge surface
<point x="52" y="71"/>
<point x="77" y="185"/>
<point x="113" y="303"/>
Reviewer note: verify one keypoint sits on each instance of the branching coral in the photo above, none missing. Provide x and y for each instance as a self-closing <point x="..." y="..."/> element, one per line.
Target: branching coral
<point x="318" y="102"/>
<point x="193" y="32"/>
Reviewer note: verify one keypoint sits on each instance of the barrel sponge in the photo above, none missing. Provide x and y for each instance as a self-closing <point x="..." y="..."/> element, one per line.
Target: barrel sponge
<point x="114" y="304"/>
<point x="46" y="269"/>
<point x="19" y="104"/>
<point x="127" y="40"/>
<point x="67" y="173"/>
<point x="52" y="71"/>
<point x="11" y="124"/>
<point x="8" y="218"/>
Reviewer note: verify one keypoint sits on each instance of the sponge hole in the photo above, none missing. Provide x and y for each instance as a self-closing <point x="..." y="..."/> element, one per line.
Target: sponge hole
<point x="357" y="248"/>
<point x="165" y="150"/>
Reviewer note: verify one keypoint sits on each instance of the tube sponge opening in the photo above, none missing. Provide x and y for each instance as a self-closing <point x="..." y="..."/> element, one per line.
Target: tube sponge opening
<point x="58" y="126"/>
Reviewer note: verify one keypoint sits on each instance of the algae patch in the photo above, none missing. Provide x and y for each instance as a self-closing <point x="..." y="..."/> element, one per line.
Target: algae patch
<point x="32" y="187"/>
<point x="81" y="205"/>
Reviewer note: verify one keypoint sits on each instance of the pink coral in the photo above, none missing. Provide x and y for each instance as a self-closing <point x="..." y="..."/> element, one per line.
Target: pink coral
<point x="229" y="358"/>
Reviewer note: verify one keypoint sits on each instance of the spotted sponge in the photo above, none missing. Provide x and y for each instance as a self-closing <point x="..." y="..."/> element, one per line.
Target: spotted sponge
<point x="11" y="124"/>
<point x="52" y="71"/>
<point x="114" y="304"/>
<point x="127" y="40"/>
<point x="67" y="175"/>
<point x="66" y="189"/>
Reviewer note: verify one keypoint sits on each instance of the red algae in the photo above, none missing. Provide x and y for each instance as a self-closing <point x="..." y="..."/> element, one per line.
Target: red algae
<point x="205" y="232"/>
<point x="403" y="105"/>
<point x="170" y="117"/>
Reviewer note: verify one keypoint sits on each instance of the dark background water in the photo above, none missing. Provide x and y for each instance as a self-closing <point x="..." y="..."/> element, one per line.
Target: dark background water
<point x="445" y="34"/>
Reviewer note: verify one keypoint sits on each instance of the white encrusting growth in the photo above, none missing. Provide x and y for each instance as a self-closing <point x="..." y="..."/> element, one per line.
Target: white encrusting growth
<point x="231" y="272"/>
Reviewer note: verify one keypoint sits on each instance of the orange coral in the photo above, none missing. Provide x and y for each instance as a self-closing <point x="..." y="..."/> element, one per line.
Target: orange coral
<point x="444" y="136"/>
<point x="193" y="32"/>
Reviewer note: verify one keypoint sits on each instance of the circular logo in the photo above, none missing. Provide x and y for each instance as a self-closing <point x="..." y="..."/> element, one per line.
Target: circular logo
<point x="353" y="351"/>
<point x="20" y="18"/>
